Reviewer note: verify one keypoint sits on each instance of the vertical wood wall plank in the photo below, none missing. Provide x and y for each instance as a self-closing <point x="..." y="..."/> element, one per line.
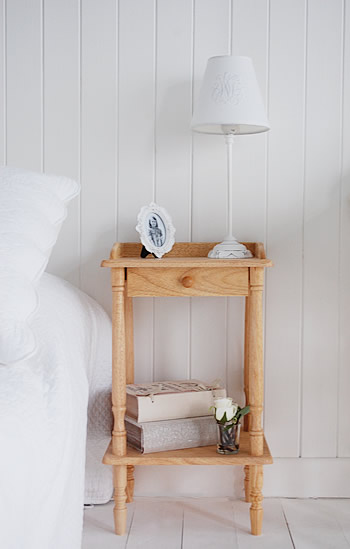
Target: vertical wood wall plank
<point x="173" y="111"/>
<point x="136" y="155"/>
<point x="173" y="170"/>
<point x="321" y="229"/>
<point x="24" y="84"/>
<point x="98" y="146"/>
<point x="62" y="121"/>
<point x="171" y="338"/>
<point x="208" y="322"/>
<point x="285" y="224"/>
<point x="2" y="82"/>
<point x="344" y="373"/>
<point x="250" y="37"/>
<point x="136" y="112"/>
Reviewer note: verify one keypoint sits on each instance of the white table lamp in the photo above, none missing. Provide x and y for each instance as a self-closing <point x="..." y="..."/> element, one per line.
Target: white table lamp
<point x="229" y="104"/>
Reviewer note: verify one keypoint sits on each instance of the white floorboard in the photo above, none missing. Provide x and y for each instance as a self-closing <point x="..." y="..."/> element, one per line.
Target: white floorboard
<point x="99" y="527"/>
<point x="156" y="520"/>
<point x="342" y="510"/>
<point x="314" y="524"/>
<point x="209" y="523"/>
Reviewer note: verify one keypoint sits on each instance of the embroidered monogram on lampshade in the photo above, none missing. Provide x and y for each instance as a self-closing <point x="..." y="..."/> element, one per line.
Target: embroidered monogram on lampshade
<point x="229" y="99"/>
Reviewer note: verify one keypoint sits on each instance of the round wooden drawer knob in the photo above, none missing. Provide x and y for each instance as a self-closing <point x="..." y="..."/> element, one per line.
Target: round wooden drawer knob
<point x="187" y="281"/>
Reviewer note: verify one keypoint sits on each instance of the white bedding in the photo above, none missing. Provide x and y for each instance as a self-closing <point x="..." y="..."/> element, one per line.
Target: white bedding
<point x="43" y="411"/>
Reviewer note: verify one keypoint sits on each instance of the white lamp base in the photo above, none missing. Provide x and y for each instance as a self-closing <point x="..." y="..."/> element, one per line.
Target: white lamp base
<point x="230" y="248"/>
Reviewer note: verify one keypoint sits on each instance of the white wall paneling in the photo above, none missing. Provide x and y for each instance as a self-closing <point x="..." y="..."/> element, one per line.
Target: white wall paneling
<point x="61" y="123"/>
<point x="308" y="477"/>
<point x="344" y="294"/>
<point x="98" y="143"/>
<point x="3" y="82"/>
<point x="173" y="171"/>
<point x="24" y="109"/>
<point x="250" y="25"/>
<point x="321" y="229"/>
<point x="284" y="225"/>
<point x="103" y="92"/>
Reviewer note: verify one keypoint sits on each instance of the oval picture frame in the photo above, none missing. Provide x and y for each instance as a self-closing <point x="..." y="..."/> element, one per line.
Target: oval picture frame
<point x="156" y="229"/>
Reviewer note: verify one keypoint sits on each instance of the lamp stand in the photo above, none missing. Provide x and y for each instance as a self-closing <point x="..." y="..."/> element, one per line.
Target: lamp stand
<point x="230" y="248"/>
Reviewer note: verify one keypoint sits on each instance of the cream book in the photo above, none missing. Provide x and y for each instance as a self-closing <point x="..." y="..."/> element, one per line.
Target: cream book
<point x="170" y="400"/>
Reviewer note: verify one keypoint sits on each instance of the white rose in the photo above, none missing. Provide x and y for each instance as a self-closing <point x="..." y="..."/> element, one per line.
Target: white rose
<point x="226" y="407"/>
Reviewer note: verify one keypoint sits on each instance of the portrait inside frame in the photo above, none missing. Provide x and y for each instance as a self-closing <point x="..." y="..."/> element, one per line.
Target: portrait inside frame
<point x="156" y="229"/>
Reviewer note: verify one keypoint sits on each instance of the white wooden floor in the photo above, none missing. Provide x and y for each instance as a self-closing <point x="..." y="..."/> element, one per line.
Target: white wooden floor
<point x="159" y="523"/>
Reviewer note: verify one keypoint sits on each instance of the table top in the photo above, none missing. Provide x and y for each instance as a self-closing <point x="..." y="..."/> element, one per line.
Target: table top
<point x="183" y="254"/>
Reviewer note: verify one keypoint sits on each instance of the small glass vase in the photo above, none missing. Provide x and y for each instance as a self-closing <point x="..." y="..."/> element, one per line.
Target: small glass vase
<point x="228" y="438"/>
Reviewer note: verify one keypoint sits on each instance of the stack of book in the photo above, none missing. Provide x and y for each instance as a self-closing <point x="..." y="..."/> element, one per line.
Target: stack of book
<point x="170" y="415"/>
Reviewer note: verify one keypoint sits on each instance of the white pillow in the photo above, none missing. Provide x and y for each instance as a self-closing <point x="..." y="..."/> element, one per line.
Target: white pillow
<point x="32" y="209"/>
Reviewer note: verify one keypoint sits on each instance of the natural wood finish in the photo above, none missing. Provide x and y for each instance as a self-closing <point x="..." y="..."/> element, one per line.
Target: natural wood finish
<point x="205" y="282"/>
<point x="119" y="362"/>
<point x="187" y="262"/>
<point x="258" y="251"/>
<point x="247" y="484"/>
<point x="256" y="509"/>
<point x="129" y="342"/>
<point x="181" y="249"/>
<point x="187" y="281"/>
<point x="129" y="337"/>
<point x="186" y="271"/>
<point x="119" y="397"/>
<point x="205" y="455"/>
<point x="120" y="510"/>
<point x="130" y="484"/>
<point x="246" y="362"/>
<point x="256" y="372"/>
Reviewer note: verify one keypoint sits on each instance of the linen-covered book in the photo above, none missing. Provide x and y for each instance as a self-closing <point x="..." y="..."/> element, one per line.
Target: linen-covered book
<point x="170" y="400"/>
<point x="172" y="434"/>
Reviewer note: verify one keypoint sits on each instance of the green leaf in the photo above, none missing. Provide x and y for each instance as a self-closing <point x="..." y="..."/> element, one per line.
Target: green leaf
<point x="245" y="410"/>
<point x="242" y="412"/>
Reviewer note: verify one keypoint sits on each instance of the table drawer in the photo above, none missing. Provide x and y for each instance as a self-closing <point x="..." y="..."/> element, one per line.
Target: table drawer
<point x="187" y="282"/>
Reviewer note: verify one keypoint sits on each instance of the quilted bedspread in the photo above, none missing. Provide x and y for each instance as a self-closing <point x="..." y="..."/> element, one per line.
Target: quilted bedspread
<point x="43" y="420"/>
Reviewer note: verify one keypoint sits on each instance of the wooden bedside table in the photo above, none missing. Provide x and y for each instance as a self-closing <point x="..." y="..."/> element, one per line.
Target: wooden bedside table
<point x="187" y="271"/>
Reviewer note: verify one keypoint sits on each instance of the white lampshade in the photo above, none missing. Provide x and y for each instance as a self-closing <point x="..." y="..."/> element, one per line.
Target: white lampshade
<point x="230" y="100"/>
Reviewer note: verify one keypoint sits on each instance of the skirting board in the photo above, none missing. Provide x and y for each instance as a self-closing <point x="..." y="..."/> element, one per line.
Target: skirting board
<point x="287" y="477"/>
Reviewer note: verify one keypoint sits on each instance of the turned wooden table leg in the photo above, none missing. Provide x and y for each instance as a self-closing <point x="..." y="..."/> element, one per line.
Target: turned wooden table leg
<point x="256" y="393"/>
<point x="120" y="509"/>
<point x="256" y="509"/>
<point x="129" y="341"/>
<point x="247" y="483"/>
<point x="119" y="398"/>
<point x="130" y="484"/>
<point x="246" y="362"/>
<point x="247" y="487"/>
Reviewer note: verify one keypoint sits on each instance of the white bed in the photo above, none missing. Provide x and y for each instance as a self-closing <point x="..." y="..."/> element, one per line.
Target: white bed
<point x="43" y="420"/>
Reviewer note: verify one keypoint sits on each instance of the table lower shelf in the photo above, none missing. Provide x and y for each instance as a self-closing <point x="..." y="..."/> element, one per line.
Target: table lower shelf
<point x="205" y="455"/>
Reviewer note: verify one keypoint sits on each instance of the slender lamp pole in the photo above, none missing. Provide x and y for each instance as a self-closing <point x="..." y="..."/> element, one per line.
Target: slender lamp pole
<point x="229" y="140"/>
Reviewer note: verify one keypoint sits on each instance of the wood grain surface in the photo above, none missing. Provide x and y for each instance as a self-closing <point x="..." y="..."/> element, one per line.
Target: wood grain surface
<point x="206" y="455"/>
